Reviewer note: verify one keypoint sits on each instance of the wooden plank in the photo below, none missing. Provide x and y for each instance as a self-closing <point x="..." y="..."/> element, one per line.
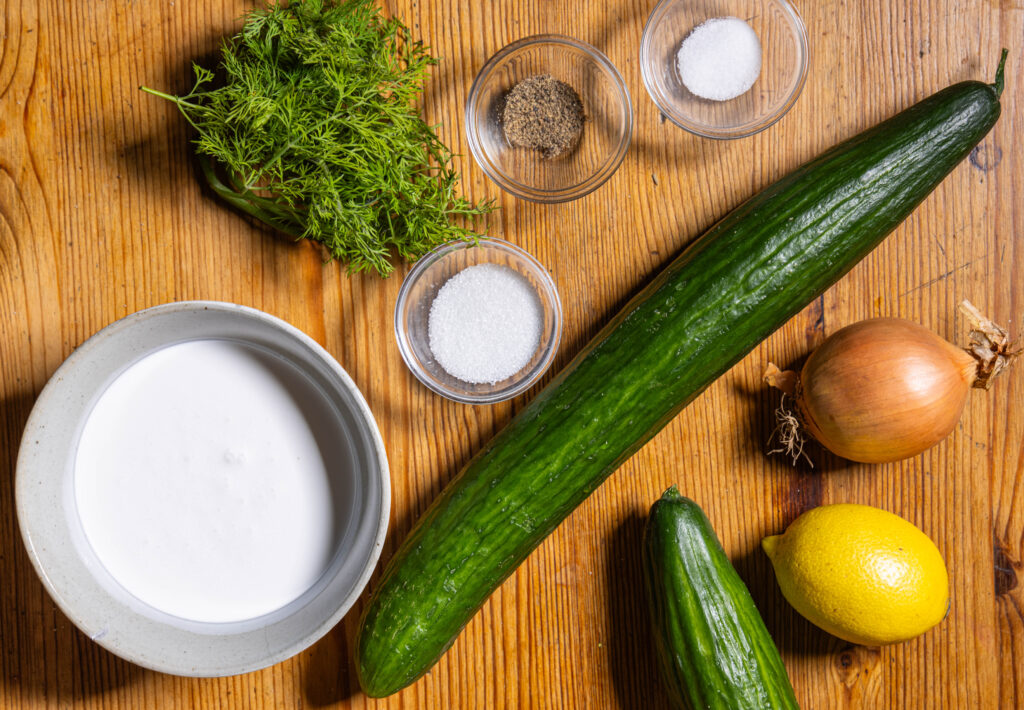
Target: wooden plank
<point x="102" y="215"/>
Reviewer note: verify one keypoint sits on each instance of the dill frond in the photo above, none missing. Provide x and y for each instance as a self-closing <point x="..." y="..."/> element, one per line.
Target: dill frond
<point x="311" y="125"/>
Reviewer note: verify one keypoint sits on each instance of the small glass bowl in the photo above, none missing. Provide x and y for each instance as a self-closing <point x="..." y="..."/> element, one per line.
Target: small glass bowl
<point x="606" y="132"/>
<point x="783" y="65"/>
<point x="412" y="316"/>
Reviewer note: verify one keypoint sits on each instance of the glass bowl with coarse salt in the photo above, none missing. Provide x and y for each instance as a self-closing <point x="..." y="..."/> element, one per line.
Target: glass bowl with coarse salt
<point x="478" y="321"/>
<point x="724" y="68"/>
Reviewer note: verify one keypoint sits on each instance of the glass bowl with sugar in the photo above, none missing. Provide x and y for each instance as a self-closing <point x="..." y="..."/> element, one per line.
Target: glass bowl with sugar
<point x="724" y="68"/>
<point x="478" y="322"/>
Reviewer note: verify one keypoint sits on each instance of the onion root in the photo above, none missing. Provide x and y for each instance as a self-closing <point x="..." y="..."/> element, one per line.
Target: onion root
<point x="789" y="433"/>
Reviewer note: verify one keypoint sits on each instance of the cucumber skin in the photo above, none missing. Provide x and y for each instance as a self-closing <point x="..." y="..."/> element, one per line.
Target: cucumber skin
<point x="712" y="645"/>
<point x="744" y="278"/>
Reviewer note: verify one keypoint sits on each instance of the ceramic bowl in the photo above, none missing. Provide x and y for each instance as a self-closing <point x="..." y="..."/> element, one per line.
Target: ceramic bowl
<point x="412" y="317"/>
<point x="607" y="130"/>
<point x="784" y="62"/>
<point x="71" y="571"/>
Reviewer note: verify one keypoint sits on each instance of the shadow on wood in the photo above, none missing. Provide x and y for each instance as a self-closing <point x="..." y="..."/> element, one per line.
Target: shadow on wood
<point x="631" y="658"/>
<point x="331" y="673"/>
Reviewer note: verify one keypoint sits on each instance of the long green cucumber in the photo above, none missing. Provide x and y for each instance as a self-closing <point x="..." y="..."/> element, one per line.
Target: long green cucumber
<point x="734" y="286"/>
<point x="712" y="645"/>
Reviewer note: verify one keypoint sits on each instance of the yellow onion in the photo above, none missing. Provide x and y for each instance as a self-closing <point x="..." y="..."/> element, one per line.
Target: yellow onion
<point x="886" y="389"/>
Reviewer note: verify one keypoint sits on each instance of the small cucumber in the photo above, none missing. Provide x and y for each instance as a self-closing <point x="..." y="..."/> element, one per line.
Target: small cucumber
<point x="713" y="647"/>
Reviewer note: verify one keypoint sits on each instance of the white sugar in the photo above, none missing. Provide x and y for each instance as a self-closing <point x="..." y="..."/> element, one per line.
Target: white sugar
<point x="485" y="324"/>
<point x="720" y="59"/>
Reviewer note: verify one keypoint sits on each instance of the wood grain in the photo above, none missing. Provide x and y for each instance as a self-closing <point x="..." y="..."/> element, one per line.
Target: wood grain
<point x="101" y="215"/>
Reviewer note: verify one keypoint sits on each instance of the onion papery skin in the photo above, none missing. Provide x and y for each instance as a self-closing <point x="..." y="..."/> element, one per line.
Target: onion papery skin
<point x="883" y="390"/>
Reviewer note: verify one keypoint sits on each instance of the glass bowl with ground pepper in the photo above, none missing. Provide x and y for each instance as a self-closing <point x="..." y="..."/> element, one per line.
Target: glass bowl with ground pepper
<point x="724" y="68"/>
<point x="549" y="118"/>
<point x="478" y="322"/>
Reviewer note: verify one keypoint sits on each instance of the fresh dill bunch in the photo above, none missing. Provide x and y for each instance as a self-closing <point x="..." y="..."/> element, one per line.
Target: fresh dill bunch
<point x="312" y="127"/>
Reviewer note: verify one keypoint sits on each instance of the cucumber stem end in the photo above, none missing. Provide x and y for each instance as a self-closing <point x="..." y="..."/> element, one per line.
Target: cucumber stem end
<point x="672" y="493"/>
<point x="998" y="83"/>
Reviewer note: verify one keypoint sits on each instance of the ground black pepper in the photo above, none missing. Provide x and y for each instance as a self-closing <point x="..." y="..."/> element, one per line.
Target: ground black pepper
<point x="543" y="114"/>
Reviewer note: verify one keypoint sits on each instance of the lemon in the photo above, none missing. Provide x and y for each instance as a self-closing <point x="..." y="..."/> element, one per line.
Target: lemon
<point x="861" y="573"/>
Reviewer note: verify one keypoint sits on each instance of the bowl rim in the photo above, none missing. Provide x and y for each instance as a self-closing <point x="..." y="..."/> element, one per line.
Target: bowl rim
<point x="417" y="272"/>
<point x="803" y="44"/>
<point x="35" y="487"/>
<point x="520" y="189"/>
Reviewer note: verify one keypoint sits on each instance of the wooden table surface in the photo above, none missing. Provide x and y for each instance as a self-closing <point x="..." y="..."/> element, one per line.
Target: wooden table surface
<point x="101" y="215"/>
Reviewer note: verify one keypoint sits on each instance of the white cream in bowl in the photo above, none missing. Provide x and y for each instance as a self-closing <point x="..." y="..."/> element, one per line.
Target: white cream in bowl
<point x="203" y="481"/>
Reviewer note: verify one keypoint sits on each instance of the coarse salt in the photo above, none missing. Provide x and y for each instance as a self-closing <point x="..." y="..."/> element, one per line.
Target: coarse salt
<point x="720" y="59"/>
<point x="485" y="324"/>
